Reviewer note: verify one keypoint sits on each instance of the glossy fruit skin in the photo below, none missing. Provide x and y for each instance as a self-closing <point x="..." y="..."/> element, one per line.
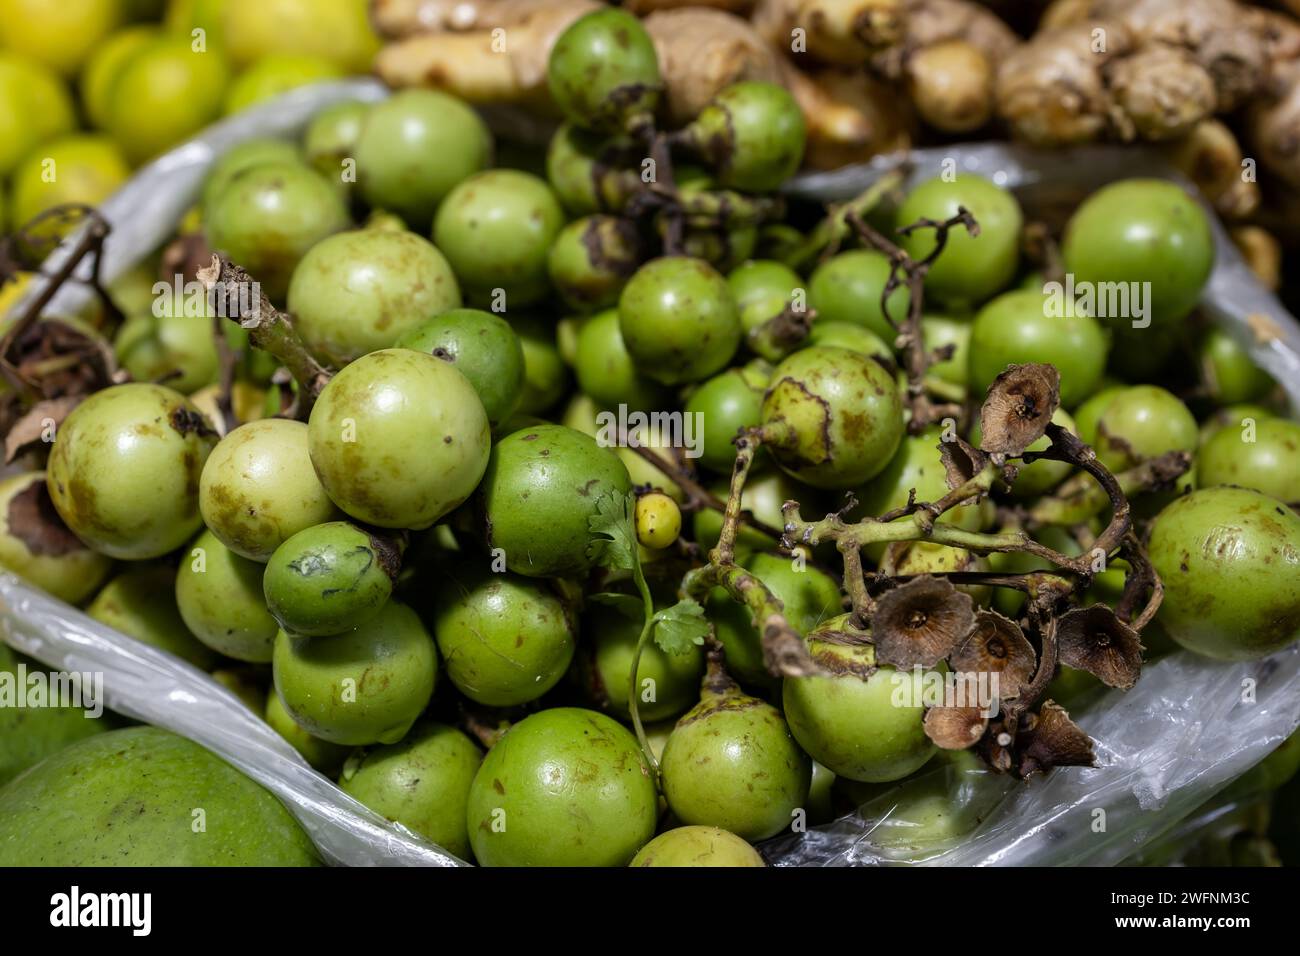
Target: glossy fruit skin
<point x="1143" y="230"/>
<point x="332" y="137"/>
<point x="591" y="260"/>
<point x="678" y="320"/>
<point x="603" y="71"/>
<point x="753" y="133"/>
<point x="141" y="603"/>
<point x="855" y="338"/>
<point x="320" y="754"/>
<point x="732" y="763"/>
<point x="505" y="639"/>
<point x="697" y="846"/>
<point x="1089" y="412"/>
<point x="847" y="288"/>
<point x="60" y="565"/>
<point x="970" y="268"/>
<point x="842" y="416"/>
<point x="414" y="148"/>
<point x="258" y="488"/>
<point x="810" y="597"/>
<point x="540" y="489"/>
<point x="1017" y="327"/>
<point x="658" y="521"/>
<point x="761" y="288"/>
<point x="566" y="787"/>
<point x="273" y="75"/>
<point x="328" y="579"/>
<point x="244" y="156"/>
<point x="124" y="470"/>
<point x="422" y="783"/>
<point x="1269" y="464"/>
<point x="126" y="798"/>
<point x="363" y="687"/>
<point x="606" y="371"/>
<point x="1142" y="422"/>
<point x="1229" y="373"/>
<point x="610" y="638"/>
<point x="851" y="725"/>
<point x="219" y="595"/>
<point x="269" y="216"/>
<point x="357" y="291"/>
<point x="420" y="438"/>
<point x="163" y="95"/>
<point x="727" y="402"/>
<point x="87" y="169"/>
<point x="483" y="348"/>
<point x="1229" y="559"/>
<point x="497" y="229"/>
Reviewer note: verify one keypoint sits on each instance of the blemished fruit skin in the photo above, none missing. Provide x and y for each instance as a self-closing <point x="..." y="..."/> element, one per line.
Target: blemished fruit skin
<point x="731" y="762"/>
<point x="363" y="687"/>
<point x="414" y="148"/>
<point x="258" y="488"/>
<point x="1142" y="422"/>
<point x="851" y="725"/>
<point x="399" y="438"/>
<point x="328" y="579"/>
<point x="971" y="268"/>
<point x="610" y="638"/>
<point x="141" y="603"/>
<point x="539" y="493"/>
<point x="422" y="783"/>
<point x="505" y="639"/>
<point x="603" y="70"/>
<point x="697" y="846"/>
<point x="322" y="755"/>
<point x="837" y="415"/>
<point x="219" y="595"/>
<point x="357" y="291"/>
<point x="753" y="132"/>
<point x="1229" y="559"/>
<point x="245" y="155"/>
<point x="563" y="787"/>
<point x="1268" y="463"/>
<point x="483" y="348"/>
<point x="124" y="470"/>
<point x="57" y="562"/>
<point x="679" y="320"/>
<point x="1143" y="231"/>
<point x="847" y="288"/>
<point x="126" y="798"/>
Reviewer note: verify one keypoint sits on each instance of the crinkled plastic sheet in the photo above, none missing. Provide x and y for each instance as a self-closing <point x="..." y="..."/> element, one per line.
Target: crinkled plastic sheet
<point x="1187" y="729"/>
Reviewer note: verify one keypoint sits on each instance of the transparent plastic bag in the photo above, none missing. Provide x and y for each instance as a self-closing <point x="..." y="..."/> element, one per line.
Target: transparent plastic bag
<point x="1188" y="728"/>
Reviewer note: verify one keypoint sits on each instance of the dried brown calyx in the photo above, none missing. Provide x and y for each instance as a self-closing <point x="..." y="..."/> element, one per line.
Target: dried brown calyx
<point x="1019" y="407"/>
<point x="1050" y="739"/>
<point x="961" y="461"/>
<point x="917" y="624"/>
<point x="997" y="645"/>
<point x="955" y="728"/>
<point x="1093" y="639"/>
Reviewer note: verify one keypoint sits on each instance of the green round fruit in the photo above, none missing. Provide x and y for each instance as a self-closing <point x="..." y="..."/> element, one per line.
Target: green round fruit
<point x="505" y="639"/>
<point x="753" y="135"/>
<point x="697" y="846"/>
<point x="497" y="229"/>
<point x="332" y="136"/>
<point x="855" y="338"/>
<point x="1089" y="413"/>
<point x="363" y="687"/>
<point x="269" y="216"/>
<point x="258" y="488"/>
<point x="1140" y="423"/>
<point x="940" y="330"/>
<point x="542" y="487"/>
<point x="1229" y="559"/>
<point x="320" y="754"/>
<point x="850" y="723"/>
<point x="399" y="438"/>
<point x="357" y="291"/>
<point x="124" y="470"/>
<point x="1269" y="462"/>
<point x="37" y="546"/>
<point x="761" y="288"/>
<point x="422" y="783"/>
<point x="848" y="287"/>
<point x="603" y="71"/>
<point x="592" y="259"/>
<point x="724" y="405"/>
<point x="731" y="763"/>
<point x="1020" y="327"/>
<point x="679" y="320"/>
<point x="764" y="494"/>
<point x="546" y="377"/>
<point x="71" y="169"/>
<point x="563" y="787"/>
<point x="1143" y="231"/>
<point x="275" y="74"/>
<point x="173" y="345"/>
<point x="34" y="107"/>
<point x="219" y="595"/>
<point x="970" y="268"/>
<point x="666" y="684"/>
<point x="582" y="168"/>
<point x="337" y="30"/>
<point x="141" y="603"/>
<point x="483" y="348"/>
<point x="606" y="372"/>
<point x="1229" y="373"/>
<point x="832" y="418"/>
<point x="61" y="36"/>
<point x="329" y="579"/>
<point x="244" y="156"/>
<point x="105" y="64"/>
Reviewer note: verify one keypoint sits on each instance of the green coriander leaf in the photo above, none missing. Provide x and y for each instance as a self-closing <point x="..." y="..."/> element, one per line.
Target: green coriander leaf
<point x="614" y="530"/>
<point x="679" y="628"/>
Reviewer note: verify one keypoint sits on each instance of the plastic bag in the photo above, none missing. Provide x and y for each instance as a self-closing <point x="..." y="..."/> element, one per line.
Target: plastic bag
<point x="1188" y="728"/>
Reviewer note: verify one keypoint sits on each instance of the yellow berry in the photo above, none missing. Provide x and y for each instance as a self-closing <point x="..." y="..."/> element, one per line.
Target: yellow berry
<point x="658" y="520"/>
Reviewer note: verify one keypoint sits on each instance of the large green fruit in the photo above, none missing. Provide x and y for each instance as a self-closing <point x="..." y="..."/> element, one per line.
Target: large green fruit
<point x="144" y="797"/>
<point x="1230" y="562"/>
<point x="563" y="787"/>
<point x="37" y="546"/>
<point x="697" y="846"/>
